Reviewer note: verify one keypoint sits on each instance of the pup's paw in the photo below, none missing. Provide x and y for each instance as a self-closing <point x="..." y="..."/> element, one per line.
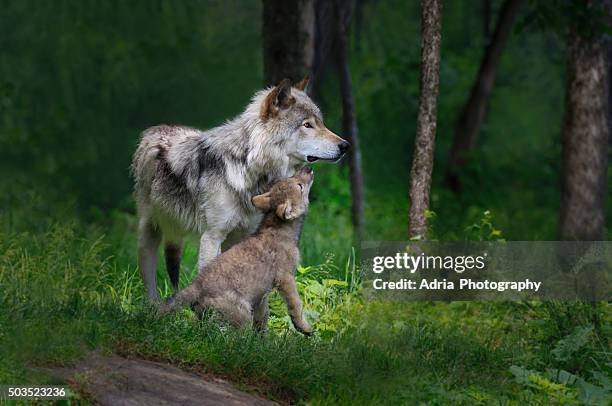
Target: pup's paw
<point x="306" y="329"/>
<point x="302" y="326"/>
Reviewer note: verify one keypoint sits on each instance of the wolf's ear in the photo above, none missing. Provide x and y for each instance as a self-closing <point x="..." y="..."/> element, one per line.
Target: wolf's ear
<point x="303" y="84"/>
<point x="282" y="94"/>
<point x="279" y="98"/>
<point x="287" y="211"/>
<point x="262" y="201"/>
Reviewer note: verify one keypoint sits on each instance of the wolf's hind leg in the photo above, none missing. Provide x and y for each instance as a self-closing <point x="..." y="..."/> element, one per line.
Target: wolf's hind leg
<point x="149" y="238"/>
<point x="173" y="252"/>
<point x="261" y="312"/>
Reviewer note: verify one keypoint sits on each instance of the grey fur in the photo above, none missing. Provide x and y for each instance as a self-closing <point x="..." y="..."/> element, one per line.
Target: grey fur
<point x="237" y="283"/>
<point x="187" y="180"/>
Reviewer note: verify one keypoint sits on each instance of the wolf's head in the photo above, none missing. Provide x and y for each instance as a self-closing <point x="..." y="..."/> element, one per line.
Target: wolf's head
<point x="296" y="123"/>
<point x="288" y="197"/>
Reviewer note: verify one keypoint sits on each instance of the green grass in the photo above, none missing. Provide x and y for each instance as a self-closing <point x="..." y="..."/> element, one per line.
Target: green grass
<point x="68" y="290"/>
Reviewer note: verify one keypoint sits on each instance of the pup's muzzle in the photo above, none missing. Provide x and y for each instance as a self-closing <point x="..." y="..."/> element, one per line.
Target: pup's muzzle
<point x="306" y="170"/>
<point x="306" y="173"/>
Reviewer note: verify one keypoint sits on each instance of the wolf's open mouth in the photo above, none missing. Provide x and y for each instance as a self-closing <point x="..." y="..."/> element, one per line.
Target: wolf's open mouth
<point x="311" y="158"/>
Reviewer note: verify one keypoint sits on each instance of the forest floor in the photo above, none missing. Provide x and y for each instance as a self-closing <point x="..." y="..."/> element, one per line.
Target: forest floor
<point x="115" y="380"/>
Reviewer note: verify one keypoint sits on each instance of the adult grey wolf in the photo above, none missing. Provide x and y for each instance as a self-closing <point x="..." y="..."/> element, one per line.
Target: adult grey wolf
<point x="187" y="180"/>
<point x="237" y="282"/>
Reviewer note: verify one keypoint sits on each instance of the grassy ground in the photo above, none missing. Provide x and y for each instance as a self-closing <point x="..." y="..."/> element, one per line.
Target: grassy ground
<point x="68" y="289"/>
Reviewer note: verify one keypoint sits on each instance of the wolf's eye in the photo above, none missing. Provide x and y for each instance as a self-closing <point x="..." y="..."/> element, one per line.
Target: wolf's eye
<point x="307" y="125"/>
<point x="301" y="187"/>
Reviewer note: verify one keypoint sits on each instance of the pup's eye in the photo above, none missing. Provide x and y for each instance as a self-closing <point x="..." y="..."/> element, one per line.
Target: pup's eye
<point x="307" y="125"/>
<point x="301" y="187"/>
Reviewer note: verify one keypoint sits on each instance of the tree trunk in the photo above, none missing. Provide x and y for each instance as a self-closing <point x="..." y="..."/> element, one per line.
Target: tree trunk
<point x="586" y="130"/>
<point x="359" y="4"/>
<point x="344" y="11"/>
<point x="470" y="120"/>
<point x="325" y="40"/>
<point x="486" y="21"/>
<point x="422" y="164"/>
<point x="288" y="39"/>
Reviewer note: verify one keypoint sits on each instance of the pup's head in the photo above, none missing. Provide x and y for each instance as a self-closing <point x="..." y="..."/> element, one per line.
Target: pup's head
<point x="297" y="122"/>
<point x="288" y="197"/>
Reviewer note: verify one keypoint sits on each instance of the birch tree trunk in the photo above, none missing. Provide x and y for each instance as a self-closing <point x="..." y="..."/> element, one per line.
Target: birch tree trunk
<point x="586" y="131"/>
<point x="422" y="164"/>
<point x="473" y="113"/>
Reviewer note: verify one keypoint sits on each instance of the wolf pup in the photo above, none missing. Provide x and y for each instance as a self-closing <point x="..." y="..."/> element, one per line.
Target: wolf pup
<point x="187" y="180"/>
<point x="238" y="281"/>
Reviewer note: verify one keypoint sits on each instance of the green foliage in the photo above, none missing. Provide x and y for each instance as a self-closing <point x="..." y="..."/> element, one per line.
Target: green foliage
<point x="567" y="347"/>
<point x="329" y="302"/>
<point x="484" y="229"/>
<point x="575" y="359"/>
<point x="561" y="387"/>
<point x="588" y="18"/>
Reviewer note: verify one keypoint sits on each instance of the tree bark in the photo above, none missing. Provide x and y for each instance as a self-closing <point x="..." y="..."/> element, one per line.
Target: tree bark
<point x="288" y="39"/>
<point x="325" y="42"/>
<point x="344" y="11"/>
<point x="473" y="113"/>
<point x="486" y="21"/>
<point x="359" y="4"/>
<point x="422" y="164"/>
<point x="586" y="130"/>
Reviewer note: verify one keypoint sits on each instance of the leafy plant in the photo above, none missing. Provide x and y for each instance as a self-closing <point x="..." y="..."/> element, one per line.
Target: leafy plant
<point x="566" y="348"/>
<point x="484" y="230"/>
<point x="563" y="387"/>
<point x="328" y="301"/>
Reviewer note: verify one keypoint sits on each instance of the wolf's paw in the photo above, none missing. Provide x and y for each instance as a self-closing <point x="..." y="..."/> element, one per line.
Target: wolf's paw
<point x="166" y="307"/>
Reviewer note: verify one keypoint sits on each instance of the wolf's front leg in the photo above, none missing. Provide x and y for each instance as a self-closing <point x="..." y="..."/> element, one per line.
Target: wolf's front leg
<point x="149" y="238"/>
<point x="210" y="246"/>
<point x="288" y="290"/>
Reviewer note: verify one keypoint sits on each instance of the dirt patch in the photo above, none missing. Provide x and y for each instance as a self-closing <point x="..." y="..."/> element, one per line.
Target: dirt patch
<point x="113" y="380"/>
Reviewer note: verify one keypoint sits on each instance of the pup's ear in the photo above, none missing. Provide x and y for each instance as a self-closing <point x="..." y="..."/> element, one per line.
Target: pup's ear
<point x="287" y="211"/>
<point x="303" y="84"/>
<point x="279" y="98"/>
<point x="262" y="201"/>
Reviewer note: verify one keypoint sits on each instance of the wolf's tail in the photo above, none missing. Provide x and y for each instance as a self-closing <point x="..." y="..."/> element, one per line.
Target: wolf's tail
<point x="145" y="159"/>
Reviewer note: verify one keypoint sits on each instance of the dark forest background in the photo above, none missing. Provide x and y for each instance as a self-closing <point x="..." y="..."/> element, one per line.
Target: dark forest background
<point x="80" y="80"/>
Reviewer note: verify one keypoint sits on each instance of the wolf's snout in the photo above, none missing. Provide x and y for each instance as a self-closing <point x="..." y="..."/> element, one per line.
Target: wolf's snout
<point x="344" y="146"/>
